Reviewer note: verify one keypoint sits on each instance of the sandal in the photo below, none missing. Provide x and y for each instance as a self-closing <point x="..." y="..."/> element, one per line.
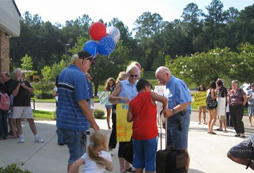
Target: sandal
<point x="219" y="129"/>
<point x="213" y="133"/>
<point x="130" y="170"/>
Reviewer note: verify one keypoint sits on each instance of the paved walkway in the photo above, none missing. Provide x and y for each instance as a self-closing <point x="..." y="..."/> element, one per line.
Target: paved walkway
<point x="207" y="152"/>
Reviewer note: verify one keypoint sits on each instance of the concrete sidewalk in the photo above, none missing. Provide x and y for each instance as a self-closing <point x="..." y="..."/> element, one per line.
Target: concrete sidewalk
<point x="207" y="152"/>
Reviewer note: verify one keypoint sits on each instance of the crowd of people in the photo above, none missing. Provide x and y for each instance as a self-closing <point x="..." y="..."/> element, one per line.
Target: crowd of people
<point x="18" y="91"/>
<point x="74" y="100"/>
<point x="227" y="105"/>
<point x="74" y="116"/>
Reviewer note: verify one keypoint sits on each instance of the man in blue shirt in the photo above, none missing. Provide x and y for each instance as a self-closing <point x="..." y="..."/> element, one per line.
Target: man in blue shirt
<point x="73" y="111"/>
<point x="179" y="100"/>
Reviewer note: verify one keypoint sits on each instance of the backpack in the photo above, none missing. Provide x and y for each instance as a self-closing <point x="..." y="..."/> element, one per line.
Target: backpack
<point x="210" y="103"/>
<point x="4" y="101"/>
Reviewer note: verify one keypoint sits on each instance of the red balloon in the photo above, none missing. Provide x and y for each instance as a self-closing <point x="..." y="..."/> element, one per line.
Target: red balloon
<point x="97" y="30"/>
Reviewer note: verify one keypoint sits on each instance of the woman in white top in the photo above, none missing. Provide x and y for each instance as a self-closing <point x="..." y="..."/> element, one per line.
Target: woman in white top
<point x="97" y="159"/>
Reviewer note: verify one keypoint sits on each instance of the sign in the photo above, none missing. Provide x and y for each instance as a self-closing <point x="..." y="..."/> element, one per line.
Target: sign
<point x="221" y="108"/>
<point x="103" y="97"/>
<point x="200" y="98"/>
<point x="123" y="128"/>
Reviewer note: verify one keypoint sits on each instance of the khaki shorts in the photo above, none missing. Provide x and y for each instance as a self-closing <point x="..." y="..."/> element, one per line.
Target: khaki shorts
<point x="222" y="117"/>
<point x="22" y="112"/>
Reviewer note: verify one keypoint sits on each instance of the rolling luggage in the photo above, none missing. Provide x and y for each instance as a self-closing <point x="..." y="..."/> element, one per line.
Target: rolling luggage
<point x="170" y="160"/>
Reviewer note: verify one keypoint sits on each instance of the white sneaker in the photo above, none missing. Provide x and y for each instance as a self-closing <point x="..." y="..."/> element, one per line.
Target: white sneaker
<point x="38" y="139"/>
<point x="21" y="139"/>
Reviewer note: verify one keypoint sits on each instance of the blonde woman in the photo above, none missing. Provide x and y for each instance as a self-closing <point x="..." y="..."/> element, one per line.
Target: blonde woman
<point x="124" y="92"/>
<point x="108" y="87"/>
<point x="112" y="140"/>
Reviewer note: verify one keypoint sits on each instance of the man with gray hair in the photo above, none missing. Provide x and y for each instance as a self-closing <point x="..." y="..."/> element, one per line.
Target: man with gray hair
<point x="21" y="90"/>
<point x="73" y="110"/>
<point x="179" y="100"/>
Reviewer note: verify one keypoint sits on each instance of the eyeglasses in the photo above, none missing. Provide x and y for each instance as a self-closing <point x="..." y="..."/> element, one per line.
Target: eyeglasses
<point x="132" y="75"/>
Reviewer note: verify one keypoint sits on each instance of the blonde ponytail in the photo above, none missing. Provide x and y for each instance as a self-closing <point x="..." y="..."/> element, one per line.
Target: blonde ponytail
<point x="97" y="140"/>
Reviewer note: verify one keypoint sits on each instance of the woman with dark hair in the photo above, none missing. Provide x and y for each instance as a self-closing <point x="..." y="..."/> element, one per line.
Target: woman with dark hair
<point x="211" y="109"/>
<point x="222" y="104"/>
<point x="201" y="109"/>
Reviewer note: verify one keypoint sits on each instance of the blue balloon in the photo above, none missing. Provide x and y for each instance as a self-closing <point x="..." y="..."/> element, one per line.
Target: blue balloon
<point x="91" y="47"/>
<point x="106" y="45"/>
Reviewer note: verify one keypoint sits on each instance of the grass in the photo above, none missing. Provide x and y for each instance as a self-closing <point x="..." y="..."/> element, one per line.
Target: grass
<point x="44" y="100"/>
<point x="43" y="115"/>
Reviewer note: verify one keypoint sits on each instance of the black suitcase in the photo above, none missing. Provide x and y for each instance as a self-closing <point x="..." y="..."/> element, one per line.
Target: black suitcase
<point x="170" y="160"/>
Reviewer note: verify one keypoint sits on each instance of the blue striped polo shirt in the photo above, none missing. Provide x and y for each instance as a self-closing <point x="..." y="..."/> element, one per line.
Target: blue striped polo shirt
<point x="72" y="87"/>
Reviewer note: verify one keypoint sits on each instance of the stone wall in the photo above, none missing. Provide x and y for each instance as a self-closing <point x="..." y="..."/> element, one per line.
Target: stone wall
<point x="4" y="52"/>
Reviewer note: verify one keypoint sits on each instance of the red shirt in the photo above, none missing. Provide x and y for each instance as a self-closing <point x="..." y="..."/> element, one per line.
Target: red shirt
<point x="144" y="117"/>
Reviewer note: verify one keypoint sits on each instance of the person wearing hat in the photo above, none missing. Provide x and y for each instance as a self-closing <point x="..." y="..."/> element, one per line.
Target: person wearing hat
<point x="73" y="114"/>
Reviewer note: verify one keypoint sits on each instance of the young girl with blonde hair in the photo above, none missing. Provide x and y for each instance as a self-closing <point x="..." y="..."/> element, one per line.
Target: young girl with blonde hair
<point x="97" y="159"/>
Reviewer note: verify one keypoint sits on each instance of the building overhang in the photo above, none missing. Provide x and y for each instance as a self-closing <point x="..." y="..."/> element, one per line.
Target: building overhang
<point x="10" y="18"/>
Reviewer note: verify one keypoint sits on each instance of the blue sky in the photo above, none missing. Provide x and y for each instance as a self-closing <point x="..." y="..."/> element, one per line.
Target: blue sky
<point x="126" y="11"/>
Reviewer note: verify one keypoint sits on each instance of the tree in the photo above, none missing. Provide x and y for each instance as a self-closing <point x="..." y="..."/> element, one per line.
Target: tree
<point x="214" y="23"/>
<point x="27" y="63"/>
<point x="148" y="25"/>
<point x="57" y="68"/>
<point x="46" y="73"/>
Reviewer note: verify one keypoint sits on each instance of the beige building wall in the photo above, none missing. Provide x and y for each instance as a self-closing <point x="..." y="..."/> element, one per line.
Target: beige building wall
<point x="4" y="51"/>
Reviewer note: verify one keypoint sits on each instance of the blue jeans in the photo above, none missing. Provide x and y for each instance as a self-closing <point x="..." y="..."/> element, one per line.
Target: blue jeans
<point x="59" y="136"/>
<point x="177" y="130"/>
<point x="3" y="124"/>
<point x="73" y="139"/>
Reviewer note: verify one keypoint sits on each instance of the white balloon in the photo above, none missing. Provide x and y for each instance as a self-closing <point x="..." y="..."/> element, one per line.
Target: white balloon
<point x="114" y="33"/>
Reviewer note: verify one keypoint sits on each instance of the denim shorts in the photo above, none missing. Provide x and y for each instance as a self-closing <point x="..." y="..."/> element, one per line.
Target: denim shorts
<point x="177" y="130"/>
<point x="144" y="154"/>
<point x="250" y="109"/>
<point x="75" y="145"/>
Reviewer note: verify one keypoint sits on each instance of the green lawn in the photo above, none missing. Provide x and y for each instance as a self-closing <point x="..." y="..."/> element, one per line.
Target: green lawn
<point x="43" y="115"/>
<point x="43" y="100"/>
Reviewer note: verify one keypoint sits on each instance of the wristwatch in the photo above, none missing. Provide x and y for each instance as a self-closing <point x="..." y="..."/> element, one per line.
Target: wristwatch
<point x="174" y="111"/>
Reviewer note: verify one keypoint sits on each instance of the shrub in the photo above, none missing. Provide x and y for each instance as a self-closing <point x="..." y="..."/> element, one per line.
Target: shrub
<point x="99" y="114"/>
<point x="43" y="89"/>
<point x="13" y="168"/>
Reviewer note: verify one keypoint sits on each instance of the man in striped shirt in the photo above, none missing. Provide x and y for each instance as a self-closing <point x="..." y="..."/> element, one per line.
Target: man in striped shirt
<point x="73" y="112"/>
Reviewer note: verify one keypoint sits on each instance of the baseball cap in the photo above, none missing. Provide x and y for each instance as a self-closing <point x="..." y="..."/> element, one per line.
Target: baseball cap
<point x="86" y="55"/>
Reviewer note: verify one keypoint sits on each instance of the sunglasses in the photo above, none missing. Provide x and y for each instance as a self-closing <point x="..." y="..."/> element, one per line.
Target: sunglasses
<point x="90" y="58"/>
<point x="132" y="75"/>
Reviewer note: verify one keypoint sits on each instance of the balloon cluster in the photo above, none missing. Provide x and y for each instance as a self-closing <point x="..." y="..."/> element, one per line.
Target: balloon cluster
<point x="104" y="40"/>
